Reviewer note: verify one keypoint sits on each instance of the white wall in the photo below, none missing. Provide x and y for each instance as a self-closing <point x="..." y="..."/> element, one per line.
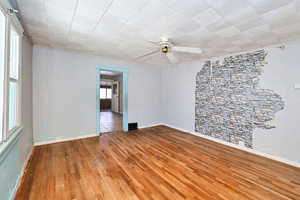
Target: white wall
<point x="65" y="93"/>
<point x="280" y="75"/>
<point x="14" y="160"/>
<point x="27" y="106"/>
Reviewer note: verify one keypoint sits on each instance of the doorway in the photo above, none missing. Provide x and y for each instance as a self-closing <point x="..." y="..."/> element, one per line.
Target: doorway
<point x="112" y="98"/>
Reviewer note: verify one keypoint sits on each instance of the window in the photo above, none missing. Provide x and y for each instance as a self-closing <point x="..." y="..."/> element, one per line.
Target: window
<point x="108" y="93"/>
<point x="10" y="85"/>
<point x="13" y="80"/>
<point x="2" y="69"/>
<point x="105" y="93"/>
<point x="102" y="93"/>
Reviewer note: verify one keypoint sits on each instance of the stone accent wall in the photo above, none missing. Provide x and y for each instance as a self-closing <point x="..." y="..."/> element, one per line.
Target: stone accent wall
<point x="229" y="102"/>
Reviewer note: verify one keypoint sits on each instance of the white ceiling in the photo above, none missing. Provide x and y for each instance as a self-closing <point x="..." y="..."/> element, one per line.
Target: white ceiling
<point x="121" y="28"/>
<point x="110" y="73"/>
<point x="107" y="83"/>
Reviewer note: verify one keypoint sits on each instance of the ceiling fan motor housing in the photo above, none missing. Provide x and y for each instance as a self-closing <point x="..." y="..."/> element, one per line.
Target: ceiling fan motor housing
<point x="165" y="49"/>
<point x="165" y="46"/>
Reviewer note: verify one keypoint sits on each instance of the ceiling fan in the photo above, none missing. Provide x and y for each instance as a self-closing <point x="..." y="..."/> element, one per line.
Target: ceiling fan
<point x="166" y="47"/>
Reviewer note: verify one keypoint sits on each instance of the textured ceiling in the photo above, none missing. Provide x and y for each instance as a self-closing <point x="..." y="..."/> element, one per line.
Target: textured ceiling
<point x="121" y="29"/>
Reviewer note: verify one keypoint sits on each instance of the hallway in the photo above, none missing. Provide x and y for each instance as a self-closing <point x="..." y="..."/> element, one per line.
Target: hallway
<point x="110" y="121"/>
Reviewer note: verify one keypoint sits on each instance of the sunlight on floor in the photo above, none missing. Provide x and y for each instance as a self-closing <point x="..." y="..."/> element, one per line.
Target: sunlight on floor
<point x="110" y="121"/>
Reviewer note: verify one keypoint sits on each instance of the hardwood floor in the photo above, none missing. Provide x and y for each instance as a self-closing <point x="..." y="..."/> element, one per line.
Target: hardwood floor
<point x="110" y="121"/>
<point x="154" y="163"/>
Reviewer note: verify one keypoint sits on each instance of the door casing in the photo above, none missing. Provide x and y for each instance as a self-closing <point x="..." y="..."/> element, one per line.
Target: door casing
<point x="125" y="95"/>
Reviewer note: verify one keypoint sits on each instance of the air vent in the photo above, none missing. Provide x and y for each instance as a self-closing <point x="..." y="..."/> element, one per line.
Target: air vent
<point x="132" y="126"/>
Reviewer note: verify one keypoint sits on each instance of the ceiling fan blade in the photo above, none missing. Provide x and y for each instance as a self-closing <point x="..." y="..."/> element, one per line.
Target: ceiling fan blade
<point x="154" y="43"/>
<point x="187" y="49"/>
<point x="172" y="58"/>
<point x="148" y="54"/>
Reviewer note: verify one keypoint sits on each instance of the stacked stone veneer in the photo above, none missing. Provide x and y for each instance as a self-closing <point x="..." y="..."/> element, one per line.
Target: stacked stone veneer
<point x="229" y="102"/>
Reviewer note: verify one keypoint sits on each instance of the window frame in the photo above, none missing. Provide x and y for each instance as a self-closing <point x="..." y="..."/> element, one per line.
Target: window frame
<point x="110" y="93"/>
<point x="106" y="88"/>
<point x="2" y="139"/>
<point x="11" y="21"/>
<point x="14" y="80"/>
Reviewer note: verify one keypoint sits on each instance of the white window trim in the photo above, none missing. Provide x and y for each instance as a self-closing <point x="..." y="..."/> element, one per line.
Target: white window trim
<point x="6" y="71"/>
<point x="19" y="86"/>
<point x="11" y="20"/>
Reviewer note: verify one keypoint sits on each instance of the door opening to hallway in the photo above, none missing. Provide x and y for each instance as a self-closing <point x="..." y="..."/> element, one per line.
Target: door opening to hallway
<point x="111" y="101"/>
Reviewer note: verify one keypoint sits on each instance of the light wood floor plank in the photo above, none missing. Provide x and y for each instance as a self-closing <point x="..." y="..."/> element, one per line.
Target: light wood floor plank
<point x="152" y="164"/>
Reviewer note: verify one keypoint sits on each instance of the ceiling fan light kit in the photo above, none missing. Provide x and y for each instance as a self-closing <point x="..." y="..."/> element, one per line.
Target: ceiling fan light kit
<point x="165" y="49"/>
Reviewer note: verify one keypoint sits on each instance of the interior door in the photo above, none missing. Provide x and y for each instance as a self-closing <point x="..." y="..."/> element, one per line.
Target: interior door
<point x="115" y="97"/>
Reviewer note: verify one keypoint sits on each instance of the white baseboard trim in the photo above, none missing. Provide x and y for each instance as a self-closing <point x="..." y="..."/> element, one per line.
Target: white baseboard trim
<point x="148" y="126"/>
<point x="64" y="139"/>
<point x="276" y="158"/>
<point x="20" y="176"/>
<point x="253" y="151"/>
<point x="39" y="143"/>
